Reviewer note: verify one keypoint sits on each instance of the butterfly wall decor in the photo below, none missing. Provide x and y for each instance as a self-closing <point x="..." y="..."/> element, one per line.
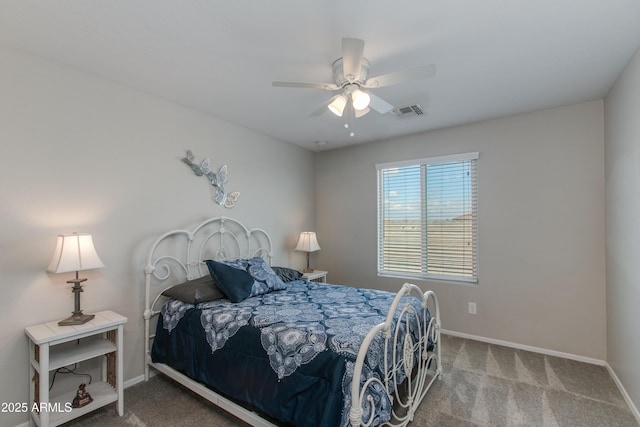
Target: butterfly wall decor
<point x="217" y="179"/>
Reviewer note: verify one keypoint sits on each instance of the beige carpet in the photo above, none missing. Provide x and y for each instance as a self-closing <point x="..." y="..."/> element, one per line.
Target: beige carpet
<point x="482" y="385"/>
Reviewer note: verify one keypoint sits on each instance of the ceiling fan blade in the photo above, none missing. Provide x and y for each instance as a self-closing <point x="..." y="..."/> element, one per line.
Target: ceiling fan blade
<point x="379" y="104"/>
<point x="325" y="86"/>
<point x="401" y="76"/>
<point x="352" y="52"/>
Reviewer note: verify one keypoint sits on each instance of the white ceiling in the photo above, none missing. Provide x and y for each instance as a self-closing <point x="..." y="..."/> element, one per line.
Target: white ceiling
<point x="494" y="57"/>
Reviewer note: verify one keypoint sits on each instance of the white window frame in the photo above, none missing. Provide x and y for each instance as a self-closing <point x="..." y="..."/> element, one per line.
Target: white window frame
<point x="424" y="163"/>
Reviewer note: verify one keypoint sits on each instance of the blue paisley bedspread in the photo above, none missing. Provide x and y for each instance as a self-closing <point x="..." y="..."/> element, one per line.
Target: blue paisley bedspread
<point x="289" y="354"/>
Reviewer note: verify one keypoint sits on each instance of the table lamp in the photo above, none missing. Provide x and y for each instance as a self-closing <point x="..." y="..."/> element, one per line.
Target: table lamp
<point x="75" y="252"/>
<point x="308" y="243"/>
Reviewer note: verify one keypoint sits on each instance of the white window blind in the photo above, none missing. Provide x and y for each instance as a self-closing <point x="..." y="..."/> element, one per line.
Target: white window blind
<point x="427" y="218"/>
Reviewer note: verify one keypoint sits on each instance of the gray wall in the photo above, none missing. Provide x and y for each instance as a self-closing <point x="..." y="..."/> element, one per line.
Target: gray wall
<point x="78" y="153"/>
<point x="622" y="183"/>
<point x="541" y="226"/>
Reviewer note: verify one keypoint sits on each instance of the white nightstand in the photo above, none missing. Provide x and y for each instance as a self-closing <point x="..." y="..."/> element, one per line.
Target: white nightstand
<point x="316" y="276"/>
<point x="102" y="336"/>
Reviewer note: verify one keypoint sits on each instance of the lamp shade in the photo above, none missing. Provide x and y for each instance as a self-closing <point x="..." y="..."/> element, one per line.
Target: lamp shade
<point x="337" y="105"/>
<point x="74" y="252"/>
<point x="308" y="242"/>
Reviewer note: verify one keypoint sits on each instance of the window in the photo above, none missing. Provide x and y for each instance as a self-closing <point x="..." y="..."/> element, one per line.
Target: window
<point x="427" y="218"/>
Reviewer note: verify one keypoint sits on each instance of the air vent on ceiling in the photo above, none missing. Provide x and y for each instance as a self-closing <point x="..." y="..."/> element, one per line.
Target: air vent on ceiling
<point x="408" y="111"/>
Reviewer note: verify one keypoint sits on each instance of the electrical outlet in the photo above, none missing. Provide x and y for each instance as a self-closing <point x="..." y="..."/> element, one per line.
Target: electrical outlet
<point x="472" y="308"/>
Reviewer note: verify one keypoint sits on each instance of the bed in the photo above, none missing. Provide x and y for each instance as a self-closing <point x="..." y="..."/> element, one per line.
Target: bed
<point x="296" y="352"/>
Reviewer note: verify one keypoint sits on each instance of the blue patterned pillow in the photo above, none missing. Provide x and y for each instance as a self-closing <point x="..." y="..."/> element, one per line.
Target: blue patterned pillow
<point x="240" y="279"/>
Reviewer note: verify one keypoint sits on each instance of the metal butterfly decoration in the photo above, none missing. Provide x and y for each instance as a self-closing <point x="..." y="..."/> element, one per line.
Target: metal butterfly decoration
<point x="217" y="179"/>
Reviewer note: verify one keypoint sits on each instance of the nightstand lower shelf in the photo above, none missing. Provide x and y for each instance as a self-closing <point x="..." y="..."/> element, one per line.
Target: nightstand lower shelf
<point x="101" y="392"/>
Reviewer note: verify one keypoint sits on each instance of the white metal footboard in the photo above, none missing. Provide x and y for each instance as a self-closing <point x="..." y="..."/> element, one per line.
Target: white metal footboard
<point x="413" y="360"/>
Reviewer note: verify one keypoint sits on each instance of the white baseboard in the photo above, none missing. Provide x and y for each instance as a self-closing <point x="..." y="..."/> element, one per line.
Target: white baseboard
<point x="527" y="348"/>
<point x="632" y="406"/>
<point x="623" y="391"/>
<point x="133" y="381"/>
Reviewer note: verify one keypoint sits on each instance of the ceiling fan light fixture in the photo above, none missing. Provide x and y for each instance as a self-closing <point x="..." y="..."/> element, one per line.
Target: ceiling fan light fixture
<point x="360" y="99"/>
<point x="337" y="105"/>
<point x="360" y="113"/>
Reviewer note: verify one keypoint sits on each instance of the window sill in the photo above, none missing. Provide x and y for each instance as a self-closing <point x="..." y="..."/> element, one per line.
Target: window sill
<point x="452" y="280"/>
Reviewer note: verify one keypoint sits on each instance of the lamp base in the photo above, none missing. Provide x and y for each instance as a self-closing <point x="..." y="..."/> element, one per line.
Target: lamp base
<point x="79" y="319"/>
<point x="307" y="270"/>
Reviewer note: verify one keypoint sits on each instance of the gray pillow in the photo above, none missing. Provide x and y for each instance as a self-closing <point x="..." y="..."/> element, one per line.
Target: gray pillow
<point x="287" y="274"/>
<point x="195" y="291"/>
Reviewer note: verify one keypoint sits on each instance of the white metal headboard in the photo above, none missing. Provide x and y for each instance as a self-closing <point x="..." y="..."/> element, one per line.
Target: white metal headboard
<point x="178" y="255"/>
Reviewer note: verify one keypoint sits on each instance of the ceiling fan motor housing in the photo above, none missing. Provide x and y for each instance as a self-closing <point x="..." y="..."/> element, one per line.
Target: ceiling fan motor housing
<point x="339" y="77"/>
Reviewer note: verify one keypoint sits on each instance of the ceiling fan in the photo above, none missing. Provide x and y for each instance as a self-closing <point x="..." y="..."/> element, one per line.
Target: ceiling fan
<point x="351" y="78"/>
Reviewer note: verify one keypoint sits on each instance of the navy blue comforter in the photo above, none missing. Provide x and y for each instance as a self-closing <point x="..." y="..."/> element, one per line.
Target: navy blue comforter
<point x="288" y="354"/>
